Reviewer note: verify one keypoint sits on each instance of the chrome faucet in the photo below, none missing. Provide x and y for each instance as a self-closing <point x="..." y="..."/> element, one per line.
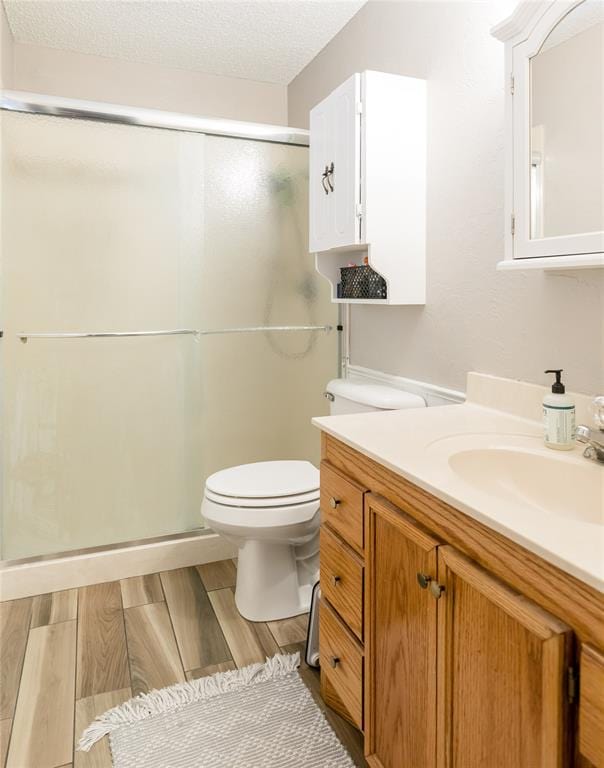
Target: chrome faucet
<point x="594" y="445"/>
<point x="594" y="448"/>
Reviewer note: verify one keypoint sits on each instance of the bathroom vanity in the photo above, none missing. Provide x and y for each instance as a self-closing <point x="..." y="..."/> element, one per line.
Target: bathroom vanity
<point x="451" y="635"/>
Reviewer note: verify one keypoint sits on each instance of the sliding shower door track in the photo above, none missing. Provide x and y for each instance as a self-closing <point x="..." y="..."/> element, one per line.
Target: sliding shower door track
<point x="195" y="533"/>
<point x="55" y="106"/>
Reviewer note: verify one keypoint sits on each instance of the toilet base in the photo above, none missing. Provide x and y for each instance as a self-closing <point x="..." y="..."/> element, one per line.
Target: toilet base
<point x="275" y="581"/>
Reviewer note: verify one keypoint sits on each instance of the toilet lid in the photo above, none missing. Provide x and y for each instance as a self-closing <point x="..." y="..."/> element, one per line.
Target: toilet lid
<point x="265" y="480"/>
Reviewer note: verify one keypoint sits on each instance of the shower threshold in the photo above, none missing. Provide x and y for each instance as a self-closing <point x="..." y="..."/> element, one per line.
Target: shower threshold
<point x="95" y="565"/>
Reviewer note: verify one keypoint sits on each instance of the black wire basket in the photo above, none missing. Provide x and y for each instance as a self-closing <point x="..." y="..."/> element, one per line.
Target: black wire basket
<point x="361" y="283"/>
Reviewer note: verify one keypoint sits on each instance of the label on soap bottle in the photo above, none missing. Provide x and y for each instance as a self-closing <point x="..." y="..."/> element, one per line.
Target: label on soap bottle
<point x="559" y="424"/>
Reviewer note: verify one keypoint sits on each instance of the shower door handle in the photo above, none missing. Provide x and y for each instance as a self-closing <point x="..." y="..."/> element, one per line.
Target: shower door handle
<point x="175" y="332"/>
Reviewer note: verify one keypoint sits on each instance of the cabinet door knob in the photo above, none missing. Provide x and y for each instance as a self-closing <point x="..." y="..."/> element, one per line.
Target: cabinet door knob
<point x="424" y="580"/>
<point x="333" y="502"/>
<point x="436" y="590"/>
<point x="334" y="661"/>
<point x="335" y="580"/>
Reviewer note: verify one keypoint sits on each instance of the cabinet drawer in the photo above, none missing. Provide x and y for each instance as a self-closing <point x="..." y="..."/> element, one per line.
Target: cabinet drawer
<point x="341" y="662"/>
<point x="342" y="506"/>
<point x="342" y="580"/>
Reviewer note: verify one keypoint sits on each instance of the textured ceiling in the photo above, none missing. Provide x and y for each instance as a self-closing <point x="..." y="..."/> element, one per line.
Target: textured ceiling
<point x="261" y="40"/>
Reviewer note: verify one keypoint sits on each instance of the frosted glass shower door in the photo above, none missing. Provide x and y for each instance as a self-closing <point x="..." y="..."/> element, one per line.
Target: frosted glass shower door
<point x="121" y="228"/>
<point x="102" y="230"/>
<point x="261" y="390"/>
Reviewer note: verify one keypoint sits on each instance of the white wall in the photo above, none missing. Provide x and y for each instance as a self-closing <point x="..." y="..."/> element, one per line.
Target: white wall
<point x="509" y="324"/>
<point x="98" y="78"/>
<point x="6" y="51"/>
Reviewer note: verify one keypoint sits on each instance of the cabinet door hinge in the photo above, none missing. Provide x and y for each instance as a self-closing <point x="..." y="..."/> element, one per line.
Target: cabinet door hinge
<point x="572" y="684"/>
<point x="512" y="84"/>
<point x="359" y="210"/>
<point x="359" y="107"/>
<point x="513" y="224"/>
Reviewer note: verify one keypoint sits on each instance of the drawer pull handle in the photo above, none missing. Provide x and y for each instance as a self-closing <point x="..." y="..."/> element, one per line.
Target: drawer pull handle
<point x="423" y="580"/>
<point x="333" y="662"/>
<point x="333" y="502"/>
<point x="335" y="580"/>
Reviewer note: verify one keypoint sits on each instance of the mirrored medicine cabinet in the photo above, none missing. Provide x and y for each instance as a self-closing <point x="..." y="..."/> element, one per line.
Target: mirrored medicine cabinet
<point x="554" y="135"/>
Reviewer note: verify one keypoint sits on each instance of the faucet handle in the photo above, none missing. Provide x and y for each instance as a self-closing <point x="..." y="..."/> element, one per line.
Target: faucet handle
<point x="582" y="434"/>
<point x="597" y="412"/>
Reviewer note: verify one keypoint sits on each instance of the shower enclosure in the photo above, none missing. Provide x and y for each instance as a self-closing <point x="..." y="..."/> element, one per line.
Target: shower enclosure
<point x="144" y="257"/>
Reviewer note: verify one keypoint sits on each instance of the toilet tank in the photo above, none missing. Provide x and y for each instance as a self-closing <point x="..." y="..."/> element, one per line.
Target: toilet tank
<point x="351" y="396"/>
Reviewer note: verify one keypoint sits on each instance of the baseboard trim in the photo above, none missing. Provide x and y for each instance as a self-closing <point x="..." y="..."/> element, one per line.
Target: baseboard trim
<point x="40" y="577"/>
<point x="433" y="394"/>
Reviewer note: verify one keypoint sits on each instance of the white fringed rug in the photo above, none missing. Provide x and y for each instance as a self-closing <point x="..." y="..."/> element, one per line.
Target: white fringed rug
<point x="261" y="716"/>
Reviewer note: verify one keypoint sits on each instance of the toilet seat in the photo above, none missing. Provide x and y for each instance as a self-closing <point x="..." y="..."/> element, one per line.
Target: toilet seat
<point x="249" y="519"/>
<point x="274" y="501"/>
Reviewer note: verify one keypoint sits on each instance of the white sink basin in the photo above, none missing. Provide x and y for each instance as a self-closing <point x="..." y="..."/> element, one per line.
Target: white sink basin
<point x="549" y="484"/>
<point x="521" y="471"/>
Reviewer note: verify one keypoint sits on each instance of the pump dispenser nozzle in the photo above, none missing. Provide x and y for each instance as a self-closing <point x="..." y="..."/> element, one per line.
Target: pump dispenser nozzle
<point x="558" y="387"/>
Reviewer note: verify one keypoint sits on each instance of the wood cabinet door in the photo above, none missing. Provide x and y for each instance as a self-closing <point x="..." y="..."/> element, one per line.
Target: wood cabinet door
<point x="400" y="644"/>
<point x="591" y="707"/>
<point x="502" y="674"/>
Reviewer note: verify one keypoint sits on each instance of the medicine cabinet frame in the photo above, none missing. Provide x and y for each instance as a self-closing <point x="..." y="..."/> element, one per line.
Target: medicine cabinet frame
<point x="523" y="33"/>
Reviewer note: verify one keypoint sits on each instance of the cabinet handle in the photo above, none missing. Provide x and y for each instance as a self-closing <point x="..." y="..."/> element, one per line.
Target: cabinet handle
<point x="335" y="580"/>
<point x="436" y="590"/>
<point x="324" y="179"/>
<point x="333" y="502"/>
<point x="330" y="171"/>
<point x="426" y="581"/>
<point x="423" y="580"/>
<point x="334" y="661"/>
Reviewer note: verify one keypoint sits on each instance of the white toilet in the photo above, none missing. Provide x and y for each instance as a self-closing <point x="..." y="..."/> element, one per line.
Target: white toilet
<point x="270" y="510"/>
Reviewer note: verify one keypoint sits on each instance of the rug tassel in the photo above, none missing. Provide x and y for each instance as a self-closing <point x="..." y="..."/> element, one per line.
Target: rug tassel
<point x="175" y="696"/>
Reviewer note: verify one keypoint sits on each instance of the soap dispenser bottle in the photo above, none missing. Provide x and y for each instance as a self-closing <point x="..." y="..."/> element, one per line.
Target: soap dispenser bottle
<point x="559" y="416"/>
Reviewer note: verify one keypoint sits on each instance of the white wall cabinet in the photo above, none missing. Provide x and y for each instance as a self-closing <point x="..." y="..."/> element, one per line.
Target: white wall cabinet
<point x="367" y="182"/>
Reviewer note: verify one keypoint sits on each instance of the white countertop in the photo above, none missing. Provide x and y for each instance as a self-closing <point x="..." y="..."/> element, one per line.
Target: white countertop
<point x="417" y="444"/>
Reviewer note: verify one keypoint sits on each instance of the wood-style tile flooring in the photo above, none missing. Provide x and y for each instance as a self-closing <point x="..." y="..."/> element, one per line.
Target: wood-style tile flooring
<point x="66" y="657"/>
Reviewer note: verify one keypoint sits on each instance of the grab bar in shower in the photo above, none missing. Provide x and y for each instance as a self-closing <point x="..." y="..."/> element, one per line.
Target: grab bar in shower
<point x="174" y="332"/>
